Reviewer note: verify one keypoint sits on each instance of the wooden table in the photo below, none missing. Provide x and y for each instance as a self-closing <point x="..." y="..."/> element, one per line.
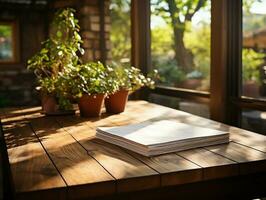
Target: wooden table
<point x="59" y="158"/>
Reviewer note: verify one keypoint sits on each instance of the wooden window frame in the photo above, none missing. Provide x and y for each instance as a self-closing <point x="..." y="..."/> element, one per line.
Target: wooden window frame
<point x="224" y="98"/>
<point x="15" y="39"/>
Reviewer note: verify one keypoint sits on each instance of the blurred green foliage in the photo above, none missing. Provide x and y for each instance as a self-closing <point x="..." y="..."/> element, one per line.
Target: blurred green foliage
<point x="5" y="30"/>
<point x="252" y="62"/>
<point x="197" y="39"/>
<point x="120" y="31"/>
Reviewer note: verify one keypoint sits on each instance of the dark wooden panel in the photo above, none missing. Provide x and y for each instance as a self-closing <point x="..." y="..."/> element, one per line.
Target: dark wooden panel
<point x="218" y="60"/>
<point x="1" y="173"/>
<point x="5" y="172"/>
<point x="244" y="187"/>
<point x="199" y="96"/>
<point x="250" y="103"/>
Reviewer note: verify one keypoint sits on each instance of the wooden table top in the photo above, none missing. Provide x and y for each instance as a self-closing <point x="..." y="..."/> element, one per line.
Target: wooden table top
<point x="59" y="158"/>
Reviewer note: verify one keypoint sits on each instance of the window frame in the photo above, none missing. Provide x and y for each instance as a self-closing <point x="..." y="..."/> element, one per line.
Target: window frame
<point x="15" y="38"/>
<point x="224" y="98"/>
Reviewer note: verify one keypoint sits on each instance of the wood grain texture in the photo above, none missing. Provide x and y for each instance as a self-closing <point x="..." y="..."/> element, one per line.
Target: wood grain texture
<point x="250" y="160"/>
<point x="173" y="169"/>
<point x="31" y="168"/>
<point x="248" y="138"/>
<point x="62" y="159"/>
<point x="126" y="169"/>
<point x="1" y="158"/>
<point x="79" y="170"/>
<point x="214" y="166"/>
<point x="1" y="178"/>
<point x="152" y="111"/>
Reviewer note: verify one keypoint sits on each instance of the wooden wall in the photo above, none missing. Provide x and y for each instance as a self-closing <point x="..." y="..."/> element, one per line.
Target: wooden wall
<point x="16" y="83"/>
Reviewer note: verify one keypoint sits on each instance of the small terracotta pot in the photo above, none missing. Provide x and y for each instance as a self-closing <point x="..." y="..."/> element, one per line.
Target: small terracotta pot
<point x="90" y="105"/>
<point x="251" y="89"/>
<point x="190" y="84"/>
<point x="49" y="104"/>
<point x="116" y="102"/>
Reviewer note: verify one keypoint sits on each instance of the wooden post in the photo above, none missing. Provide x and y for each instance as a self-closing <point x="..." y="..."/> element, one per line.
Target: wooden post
<point x="218" y="60"/>
<point x="226" y="34"/>
<point x="141" y="34"/>
<point x="141" y="39"/>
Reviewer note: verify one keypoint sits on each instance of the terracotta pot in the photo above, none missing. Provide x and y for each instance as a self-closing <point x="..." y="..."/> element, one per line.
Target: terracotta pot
<point x="49" y="104"/>
<point x="191" y="84"/>
<point x="251" y="89"/>
<point x="90" y="105"/>
<point x="116" y="102"/>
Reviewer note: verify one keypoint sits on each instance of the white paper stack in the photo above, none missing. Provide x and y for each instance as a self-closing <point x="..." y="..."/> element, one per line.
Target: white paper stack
<point x="160" y="137"/>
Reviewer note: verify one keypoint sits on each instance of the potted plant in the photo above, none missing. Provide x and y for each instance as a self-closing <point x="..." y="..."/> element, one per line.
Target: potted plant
<point x="128" y="79"/>
<point x="252" y="61"/>
<point x="90" y="84"/>
<point x="193" y="80"/>
<point x="58" y="54"/>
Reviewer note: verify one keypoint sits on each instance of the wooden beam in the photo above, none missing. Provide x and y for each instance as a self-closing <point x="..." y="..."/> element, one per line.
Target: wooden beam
<point x="141" y="35"/>
<point x="198" y="96"/>
<point x="226" y="34"/>
<point x="249" y="103"/>
<point x="234" y="61"/>
<point x="218" y="60"/>
<point x="103" y="49"/>
<point x="141" y="40"/>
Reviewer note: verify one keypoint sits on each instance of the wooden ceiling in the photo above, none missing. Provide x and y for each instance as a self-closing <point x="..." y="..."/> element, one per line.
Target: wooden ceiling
<point x="40" y="2"/>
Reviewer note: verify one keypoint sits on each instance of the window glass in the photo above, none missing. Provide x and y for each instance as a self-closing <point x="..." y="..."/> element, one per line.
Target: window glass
<point x="254" y="120"/>
<point x="193" y="107"/>
<point x="180" y="42"/>
<point x="6" y="43"/>
<point x="254" y="49"/>
<point x="120" y="31"/>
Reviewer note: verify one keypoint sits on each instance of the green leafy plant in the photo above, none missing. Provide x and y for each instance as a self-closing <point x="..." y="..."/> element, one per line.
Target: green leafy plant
<point x="90" y="78"/>
<point x="170" y="74"/>
<point x="59" y="54"/>
<point x="252" y="60"/>
<point x="130" y="78"/>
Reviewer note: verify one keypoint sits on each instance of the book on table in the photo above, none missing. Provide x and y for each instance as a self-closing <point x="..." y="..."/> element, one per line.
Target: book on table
<point x="152" y="138"/>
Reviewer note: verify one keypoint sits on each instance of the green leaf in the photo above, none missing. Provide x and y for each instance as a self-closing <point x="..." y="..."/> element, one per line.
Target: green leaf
<point x="59" y="34"/>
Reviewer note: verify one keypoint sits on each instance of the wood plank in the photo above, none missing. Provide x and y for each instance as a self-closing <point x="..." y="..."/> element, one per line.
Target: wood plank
<point x="210" y="169"/>
<point x="31" y="168"/>
<point x="3" y="173"/>
<point x="20" y="115"/>
<point x="150" y="111"/>
<point x="214" y="166"/>
<point x="130" y="173"/>
<point x="139" y="111"/>
<point x="12" y="116"/>
<point x="8" y="111"/>
<point x="84" y="176"/>
<point x="2" y="114"/>
<point x="248" y="138"/>
<point x="244" y="187"/>
<point x="174" y="170"/>
<point x="250" y="160"/>
<point x="91" y="167"/>
<point x="1" y="178"/>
